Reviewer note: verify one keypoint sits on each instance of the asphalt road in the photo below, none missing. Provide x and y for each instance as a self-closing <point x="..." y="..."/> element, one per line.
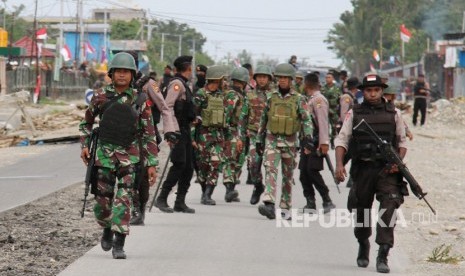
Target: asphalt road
<point x="233" y="239"/>
<point x="34" y="177"/>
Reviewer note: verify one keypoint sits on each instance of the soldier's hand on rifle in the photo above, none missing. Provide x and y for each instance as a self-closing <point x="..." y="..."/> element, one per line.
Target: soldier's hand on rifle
<point x="85" y="155"/>
<point x="392" y="168"/>
<point x="152" y="175"/>
<point x="323" y="149"/>
<point x="341" y="173"/>
<point x="172" y="138"/>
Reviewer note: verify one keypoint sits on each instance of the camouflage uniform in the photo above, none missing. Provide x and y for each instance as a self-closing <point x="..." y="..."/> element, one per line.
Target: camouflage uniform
<point x="332" y="94"/>
<point x="114" y="161"/>
<point x="280" y="147"/>
<point x="209" y="141"/>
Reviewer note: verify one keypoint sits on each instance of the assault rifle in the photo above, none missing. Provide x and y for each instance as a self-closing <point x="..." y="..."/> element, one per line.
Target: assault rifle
<point x="392" y="157"/>
<point x="90" y="166"/>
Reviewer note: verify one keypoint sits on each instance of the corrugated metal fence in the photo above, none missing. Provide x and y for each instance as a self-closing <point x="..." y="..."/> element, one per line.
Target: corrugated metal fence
<point x="70" y="85"/>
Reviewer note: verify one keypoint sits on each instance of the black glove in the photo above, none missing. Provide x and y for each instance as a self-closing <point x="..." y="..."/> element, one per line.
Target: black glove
<point x="172" y="137"/>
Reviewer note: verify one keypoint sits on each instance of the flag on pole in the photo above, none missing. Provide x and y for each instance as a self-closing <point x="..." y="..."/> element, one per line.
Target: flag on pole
<point x="103" y="57"/>
<point x="41" y="33"/>
<point x="376" y="55"/>
<point x="405" y="34"/>
<point x="65" y="52"/>
<point x="88" y="48"/>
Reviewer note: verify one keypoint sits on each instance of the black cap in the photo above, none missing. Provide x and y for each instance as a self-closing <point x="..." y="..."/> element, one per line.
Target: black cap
<point x="372" y="81"/>
<point x="179" y="61"/>
<point x="169" y="67"/>
<point x="352" y="82"/>
<point x="343" y="73"/>
<point x="201" y="68"/>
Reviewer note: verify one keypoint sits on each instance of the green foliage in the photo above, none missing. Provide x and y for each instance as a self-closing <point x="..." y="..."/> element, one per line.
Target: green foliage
<point x="358" y="34"/>
<point x="441" y="254"/>
<point x="15" y="26"/>
<point x="122" y="30"/>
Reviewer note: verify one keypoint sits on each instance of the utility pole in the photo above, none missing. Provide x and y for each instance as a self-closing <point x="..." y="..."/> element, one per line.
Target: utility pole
<point x="104" y="34"/>
<point x="81" y="26"/>
<point x="58" y="60"/>
<point x="4" y="14"/>
<point x="180" y="45"/>
<point x="463" y="22"/>
<point x="35" y="97"/>
<point x="162" y="46"/>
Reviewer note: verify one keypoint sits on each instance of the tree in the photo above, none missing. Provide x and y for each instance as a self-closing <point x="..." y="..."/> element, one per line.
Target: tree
<point x="358" y="34"/>
<point x="245" y="57"/>
<point x="17" y="27"/>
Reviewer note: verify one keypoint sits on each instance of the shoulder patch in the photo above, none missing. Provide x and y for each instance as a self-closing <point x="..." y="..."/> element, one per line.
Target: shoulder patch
<point x="176" y="87"/>
<point x="347" y="100"/>
<point x="155" y="87"/>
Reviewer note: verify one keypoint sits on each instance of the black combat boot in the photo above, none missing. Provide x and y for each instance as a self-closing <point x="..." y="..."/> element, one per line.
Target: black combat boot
<point x="267" y="210"/>
<point x="137" y="218"/>
<point x="327" y="204"/>
<point x="381" y="260"/>
<point x="350" y="182"/>
<point x="203" y="186"/>
<point x="161" y="202"/>
<point x="118" y="246"/>
<point x="363" y="253"/>
<point x="257" y="192"/>
<point x="207" y="195"/>
<point x="231" y="194"/>
<point x="107" y="239"/>
<point x="180" y="204"/>
<point x="311" y="205"/>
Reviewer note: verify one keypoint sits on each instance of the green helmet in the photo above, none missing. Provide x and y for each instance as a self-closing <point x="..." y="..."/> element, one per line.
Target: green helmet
<point x="124" y="61"/>
<point x="263" y="70"/>
<point x="284" y="70"/>
<point x="215" y="72"/>
<point x="299" y="75"/>
<point x="392" y="89"/>
<point x="240" y="74"/>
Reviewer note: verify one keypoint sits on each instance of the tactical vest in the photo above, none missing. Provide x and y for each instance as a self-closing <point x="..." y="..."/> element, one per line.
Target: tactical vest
<point x="184" y="108"/>
<point x="382" y="119"/>
<point x="257" y="104"/>
<point x="213" y="115"/>
<point x="118" y="124"/>
<point x="416" y="90"/>
<point x="282" y="116"/>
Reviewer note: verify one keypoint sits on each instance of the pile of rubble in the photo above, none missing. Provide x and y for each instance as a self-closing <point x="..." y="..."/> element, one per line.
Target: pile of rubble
<point x="449" y="112"/>
<point x="39" y="123"/>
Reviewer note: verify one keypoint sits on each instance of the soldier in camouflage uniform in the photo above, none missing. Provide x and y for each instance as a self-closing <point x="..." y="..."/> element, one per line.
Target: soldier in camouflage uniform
<point x="124" y="114"/>
<point x="208" y="138"/>
<point x="332" y="93"/>
<point x="298" y="83"/>
<point x="234" y="101"/>
<point x="285" y="114"/>
<point x="256" y="101"/>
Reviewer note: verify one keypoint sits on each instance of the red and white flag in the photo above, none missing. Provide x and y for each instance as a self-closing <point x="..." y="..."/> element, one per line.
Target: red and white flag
<point x="41" y="33"/>
<point x="88" y="48"/>
<point x="65" y="52"/>
<point x="405" y="34"/>
<point x="376" y="55"/>
<point x="372" y="68"/>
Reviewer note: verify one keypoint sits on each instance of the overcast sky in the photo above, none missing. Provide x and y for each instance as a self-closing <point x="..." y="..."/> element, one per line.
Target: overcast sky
<point x="274" y="28"/>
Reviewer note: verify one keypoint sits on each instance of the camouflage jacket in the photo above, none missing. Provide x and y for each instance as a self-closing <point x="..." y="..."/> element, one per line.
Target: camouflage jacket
<point x="108" y="154"/>
<point x="235" y="112"/>
<point x="202" y="132"/>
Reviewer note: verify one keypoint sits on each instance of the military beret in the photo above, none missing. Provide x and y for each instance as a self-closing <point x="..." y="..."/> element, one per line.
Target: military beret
<point x="179" y="61"/>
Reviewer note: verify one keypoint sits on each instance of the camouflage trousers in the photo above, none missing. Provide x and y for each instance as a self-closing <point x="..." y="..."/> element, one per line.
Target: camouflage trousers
<point x="209" y="160"/>
<point x="254" y="160"/>
<point x="241" y="160"/>
<point x="230" y="161"/>
<point x="273" y="156"/>
<point x="114" y="209"/>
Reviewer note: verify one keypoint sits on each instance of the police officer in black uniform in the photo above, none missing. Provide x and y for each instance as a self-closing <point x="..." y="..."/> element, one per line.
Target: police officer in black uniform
<point x="371" y="174"/>
<point x="179" y="97"/>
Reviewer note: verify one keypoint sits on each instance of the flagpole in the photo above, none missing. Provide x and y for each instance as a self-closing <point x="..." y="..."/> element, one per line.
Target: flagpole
<point x="380" y="47"/>
<point x="402" y="56"/>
